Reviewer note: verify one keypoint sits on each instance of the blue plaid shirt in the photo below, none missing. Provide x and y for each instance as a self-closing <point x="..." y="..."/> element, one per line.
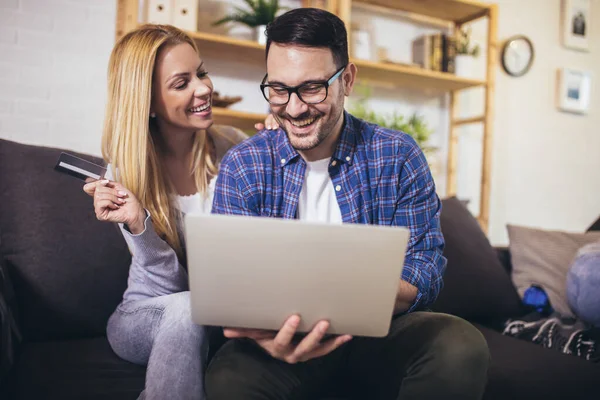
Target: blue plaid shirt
<point x="384" y="180"/>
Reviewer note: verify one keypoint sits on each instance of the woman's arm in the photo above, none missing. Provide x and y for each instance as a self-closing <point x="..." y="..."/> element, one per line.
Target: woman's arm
<point x="155" y="269"/>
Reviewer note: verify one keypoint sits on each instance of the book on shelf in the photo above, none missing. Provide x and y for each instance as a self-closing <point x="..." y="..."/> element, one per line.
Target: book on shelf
<point x="449" y="53"/>
<point x="436" y="52"/>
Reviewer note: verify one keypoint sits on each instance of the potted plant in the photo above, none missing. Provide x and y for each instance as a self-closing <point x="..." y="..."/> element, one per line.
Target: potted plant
<point x="261" y="13"/>
<point x="465" y="53"/>
<point x="413" y="125"/>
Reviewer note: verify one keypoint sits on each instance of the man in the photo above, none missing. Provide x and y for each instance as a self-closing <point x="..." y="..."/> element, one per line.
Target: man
<point x="325" y="165"/>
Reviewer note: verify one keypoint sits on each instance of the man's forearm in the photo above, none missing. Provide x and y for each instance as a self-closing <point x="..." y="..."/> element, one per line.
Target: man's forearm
<point x="405" y="296"/>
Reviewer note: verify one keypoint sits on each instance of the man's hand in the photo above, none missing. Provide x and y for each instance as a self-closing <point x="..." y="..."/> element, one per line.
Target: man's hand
<point x="280" y="344"/>
<point x="405" y="296"/>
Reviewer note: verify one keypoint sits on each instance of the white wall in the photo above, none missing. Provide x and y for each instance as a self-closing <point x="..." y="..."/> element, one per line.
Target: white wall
<point x="53" y="57"/>
<point x="546" y="167"/>
<point x="546" y="163"/>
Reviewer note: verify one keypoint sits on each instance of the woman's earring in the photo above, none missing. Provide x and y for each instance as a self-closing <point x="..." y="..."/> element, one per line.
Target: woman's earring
<point x="152" y="115"/>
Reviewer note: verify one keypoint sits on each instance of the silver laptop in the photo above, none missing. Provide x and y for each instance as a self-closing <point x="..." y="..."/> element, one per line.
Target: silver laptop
<point x="252" y="272"/>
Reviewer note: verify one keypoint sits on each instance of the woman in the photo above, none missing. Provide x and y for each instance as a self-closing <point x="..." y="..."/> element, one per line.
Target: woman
<point x="163" y="155"/>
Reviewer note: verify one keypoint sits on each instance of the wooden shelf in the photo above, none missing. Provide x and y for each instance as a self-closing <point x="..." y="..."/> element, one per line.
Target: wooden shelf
<point x="413" y="77"/>
<point x="205" y="37"/>
<point x="458" y="11"/>
<point x="384" y="73"/>
<point x="239" y="119"/>
<point x="225" y="46"/>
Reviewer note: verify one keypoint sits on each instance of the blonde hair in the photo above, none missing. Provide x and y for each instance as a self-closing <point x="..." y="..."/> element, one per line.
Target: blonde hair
<point x="131" y="143"/>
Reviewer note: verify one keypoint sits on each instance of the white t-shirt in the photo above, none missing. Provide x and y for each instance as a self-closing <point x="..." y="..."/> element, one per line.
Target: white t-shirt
<point x="196" y="203"/>
<point x="318" y="202"/>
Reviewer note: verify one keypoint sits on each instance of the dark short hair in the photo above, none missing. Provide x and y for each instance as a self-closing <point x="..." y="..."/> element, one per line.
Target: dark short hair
<point x="311" y="27"/>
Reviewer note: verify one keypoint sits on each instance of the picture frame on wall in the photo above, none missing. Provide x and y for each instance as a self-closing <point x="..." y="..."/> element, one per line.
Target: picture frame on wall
<point x="576" y="24"/>
<point x="574" y="87"/>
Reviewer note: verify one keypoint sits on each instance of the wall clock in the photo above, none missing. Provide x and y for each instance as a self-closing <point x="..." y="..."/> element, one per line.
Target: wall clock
<point x="517" y="55"/>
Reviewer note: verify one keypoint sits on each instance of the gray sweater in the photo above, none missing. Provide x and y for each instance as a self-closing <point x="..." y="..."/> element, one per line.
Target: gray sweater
<point x="155" y="268"/>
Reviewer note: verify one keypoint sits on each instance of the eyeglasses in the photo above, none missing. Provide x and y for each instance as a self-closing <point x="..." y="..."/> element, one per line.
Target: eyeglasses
<point x="313" y="92"/>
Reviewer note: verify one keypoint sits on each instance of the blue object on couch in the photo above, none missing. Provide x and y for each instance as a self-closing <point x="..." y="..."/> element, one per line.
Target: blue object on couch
<point x="583" y="284"/>
<point x="536" y="299"/>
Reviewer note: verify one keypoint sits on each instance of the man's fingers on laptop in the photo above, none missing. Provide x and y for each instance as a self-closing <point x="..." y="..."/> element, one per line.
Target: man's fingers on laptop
<point x="233" y="333"/>
<point x="311" y="342"/>
<point x="262" y="335"/>
<point x="327" y="347"/>
<point x="256" y="334"/>
<point x="284" y="336"/>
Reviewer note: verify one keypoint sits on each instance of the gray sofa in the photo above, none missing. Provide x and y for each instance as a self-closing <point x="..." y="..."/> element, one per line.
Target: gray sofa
<point x="65" y="272"/>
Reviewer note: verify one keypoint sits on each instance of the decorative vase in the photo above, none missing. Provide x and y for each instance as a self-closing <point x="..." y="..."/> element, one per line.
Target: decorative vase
<point x="463" y="66"/>
<point x="261" y="36"/>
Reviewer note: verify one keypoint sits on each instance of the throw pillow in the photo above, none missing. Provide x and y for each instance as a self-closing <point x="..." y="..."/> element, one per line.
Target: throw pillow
<point x="476" y="285"/>
<point x="543" y="257"/>
<point x="583" y="284"/>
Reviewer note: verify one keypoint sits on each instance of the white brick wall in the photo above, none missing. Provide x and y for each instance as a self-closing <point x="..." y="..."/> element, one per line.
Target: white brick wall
<point x="53" y="59"/>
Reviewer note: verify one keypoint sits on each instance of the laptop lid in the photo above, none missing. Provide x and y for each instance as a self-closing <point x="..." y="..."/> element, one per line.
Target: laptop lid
<point x="255" y="272"/>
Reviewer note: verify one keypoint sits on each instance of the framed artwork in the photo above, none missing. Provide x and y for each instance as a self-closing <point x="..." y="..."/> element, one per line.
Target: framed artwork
<point x="576" y="24"/>
<point x="574" y="88"/>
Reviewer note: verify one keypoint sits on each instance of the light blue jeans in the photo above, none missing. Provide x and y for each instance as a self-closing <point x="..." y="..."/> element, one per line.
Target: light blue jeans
<point x="159" y="332"/>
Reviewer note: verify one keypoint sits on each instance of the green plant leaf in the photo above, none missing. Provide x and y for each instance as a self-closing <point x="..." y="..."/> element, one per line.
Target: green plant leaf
<point x="413" y="125"/>
<point x="262" y="12"/>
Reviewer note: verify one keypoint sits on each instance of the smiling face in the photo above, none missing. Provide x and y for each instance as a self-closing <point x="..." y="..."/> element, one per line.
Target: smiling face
<point x="182" y="90"/>
<point x="309" y="127"/>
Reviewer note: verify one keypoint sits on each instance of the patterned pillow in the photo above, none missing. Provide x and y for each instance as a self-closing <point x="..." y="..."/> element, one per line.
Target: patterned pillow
<point x="543" y="257"/>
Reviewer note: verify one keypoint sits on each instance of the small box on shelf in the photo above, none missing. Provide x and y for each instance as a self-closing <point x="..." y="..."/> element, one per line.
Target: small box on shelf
<point x="180" y="13"/>
<point x="185" y="14"/>
<point x="158" y="12"/>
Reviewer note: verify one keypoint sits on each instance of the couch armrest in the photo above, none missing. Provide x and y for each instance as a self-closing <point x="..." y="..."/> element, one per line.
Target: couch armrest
<point x="504" y="257"/>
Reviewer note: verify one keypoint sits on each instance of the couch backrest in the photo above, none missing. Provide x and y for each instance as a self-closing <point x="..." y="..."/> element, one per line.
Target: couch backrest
<point x="69" y="270"/>
<point x="595" y="226"/>
<point x="477" y="285"/>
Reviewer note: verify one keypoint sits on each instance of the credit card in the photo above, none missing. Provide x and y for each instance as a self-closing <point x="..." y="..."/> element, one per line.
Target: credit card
<point x="78" y="167"/>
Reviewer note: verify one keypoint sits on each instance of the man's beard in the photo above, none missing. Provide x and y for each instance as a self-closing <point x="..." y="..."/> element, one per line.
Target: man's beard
<point x="303" y="144"/>
<point x="322" y="132"/>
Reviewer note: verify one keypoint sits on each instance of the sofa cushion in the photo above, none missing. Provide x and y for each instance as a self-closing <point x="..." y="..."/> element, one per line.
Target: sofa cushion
<point x="543" y="257"/>
<point x="523" y="370"/>
<point x="69" y="270"/>
<point x="476" y="285"/>
<point x="10" y="336"/>
<point x="595" y="226"/>
<point x="76" y="369"/>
